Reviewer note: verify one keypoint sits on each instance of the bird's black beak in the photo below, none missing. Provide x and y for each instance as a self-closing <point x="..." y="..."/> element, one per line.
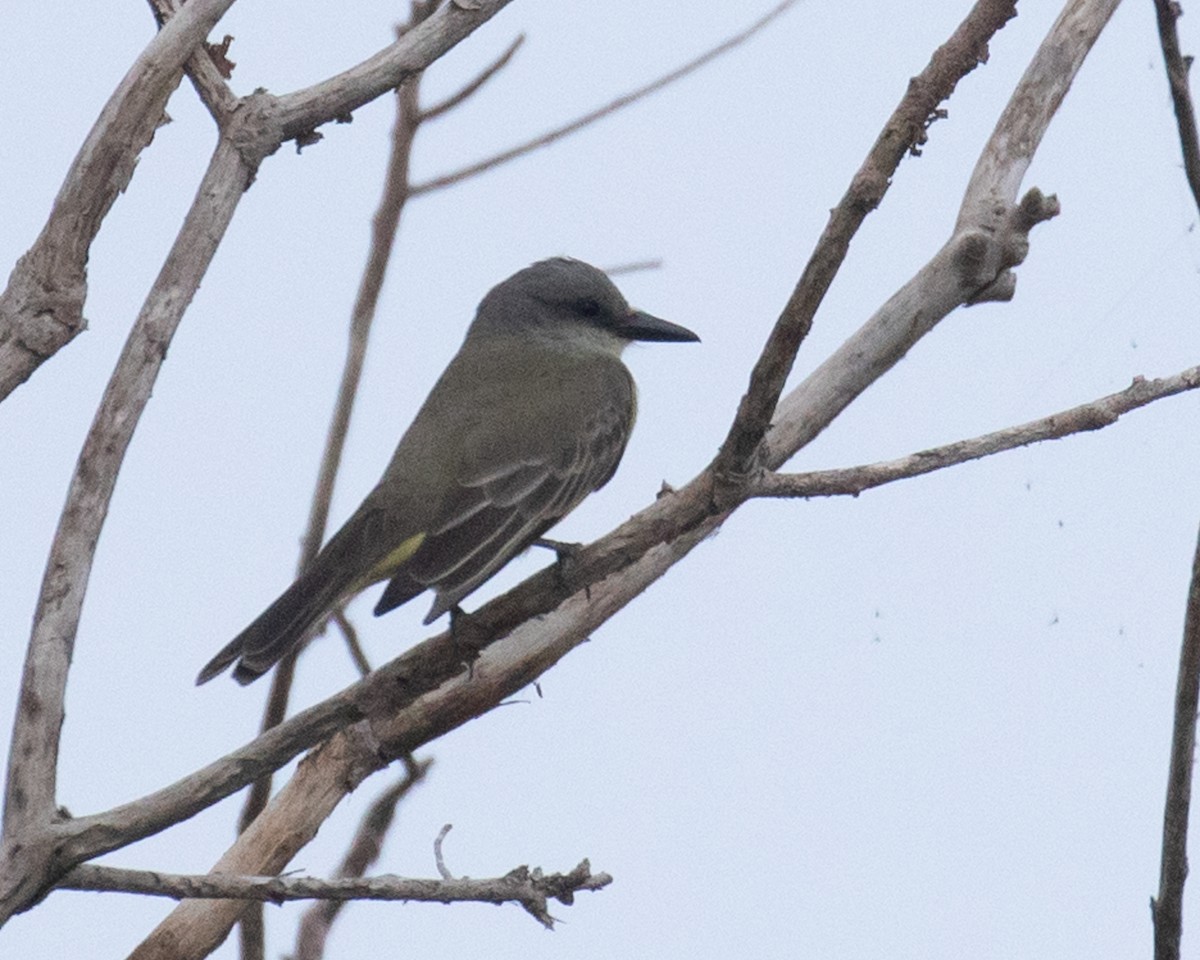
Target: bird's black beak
<point x="642" y="326"/>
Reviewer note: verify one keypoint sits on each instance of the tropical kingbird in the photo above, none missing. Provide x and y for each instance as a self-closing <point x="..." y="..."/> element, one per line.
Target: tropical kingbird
<point x="531" y="415"/>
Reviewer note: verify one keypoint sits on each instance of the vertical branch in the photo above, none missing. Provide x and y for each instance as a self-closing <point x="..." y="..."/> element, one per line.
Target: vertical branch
<point x="1167" y="908"/>
<point x="1178" y="67"/>
<point x="383" y="235"/>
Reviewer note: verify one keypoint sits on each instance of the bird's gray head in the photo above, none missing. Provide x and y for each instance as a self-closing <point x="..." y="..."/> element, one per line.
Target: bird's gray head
<point x="569" y="298"/>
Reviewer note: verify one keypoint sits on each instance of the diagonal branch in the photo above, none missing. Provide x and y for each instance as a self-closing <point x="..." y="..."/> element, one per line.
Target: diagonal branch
<point x="990" y="236"/>
<point x="201" y="67"/>
<point x="625" y="100"/>
<point x="475" y="85"/>
<point x="1094" y="415"/>
<point x="41" y="309"/>
<point x="903" y="133"/>
<point x="333" y="99"/>
<point x="363" y="852"/>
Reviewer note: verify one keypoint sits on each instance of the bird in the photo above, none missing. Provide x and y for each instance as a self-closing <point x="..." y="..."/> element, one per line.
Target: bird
<point x="531" y="415"/>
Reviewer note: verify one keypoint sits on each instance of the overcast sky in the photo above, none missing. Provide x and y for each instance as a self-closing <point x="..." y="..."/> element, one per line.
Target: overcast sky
<point x="930" y="722"/>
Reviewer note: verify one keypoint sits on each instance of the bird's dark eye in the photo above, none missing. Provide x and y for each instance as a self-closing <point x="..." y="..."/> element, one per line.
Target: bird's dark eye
<point x="588" y="307"/>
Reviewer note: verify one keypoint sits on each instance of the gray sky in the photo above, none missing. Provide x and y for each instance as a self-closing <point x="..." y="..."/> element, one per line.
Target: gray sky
<point x="929" y="722"/>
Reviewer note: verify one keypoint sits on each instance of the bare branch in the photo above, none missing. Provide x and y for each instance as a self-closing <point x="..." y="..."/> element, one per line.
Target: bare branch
<point x="904" y="132"/>
<point x="438" y="856"/>
<point x="201" y="68"/>
<point x="341" y="763"/>
<point x="1167" y="908"/>
<point x="383" y="233"/>
<point x="421" y="694"/>
<point x="1094" y="415"/>
<point x="353" y="646"/>
<point x="432" y="113"/>
<point x="633" y="266"/>
<point x="996" y="180"/>
<point x="364" y="851"/>
<point x="301" y="112"/>
<point x="33" y="758"/>
<point x="990" y="237"/>
<point x="1178" y="69"/>
<point x="557" y="133"/>
<point x="41" y="310"/>
<point x="642" y="549"/>
<point x="530" y="888"/>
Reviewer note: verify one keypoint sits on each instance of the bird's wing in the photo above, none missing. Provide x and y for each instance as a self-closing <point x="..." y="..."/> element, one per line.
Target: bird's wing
<point x="493" y="513"/>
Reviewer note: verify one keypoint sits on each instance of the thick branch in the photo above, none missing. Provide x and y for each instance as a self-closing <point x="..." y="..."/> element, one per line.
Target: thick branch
<point x="998" y="175"/>
<point x="41" y="310"/>
<point x="339" y="765"/>
<point x="1088" y="416"/>
<point x="33" y="758"/>
<point x="1167" y="908"/>
<point x="903" y="133"/>
<point x="990" y="237"/>
<point x="363" y="852"/>
<point x="301" y="112"/>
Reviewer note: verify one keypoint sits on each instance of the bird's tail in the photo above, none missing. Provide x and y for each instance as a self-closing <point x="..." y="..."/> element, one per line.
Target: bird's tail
<point x="280" y="627"/>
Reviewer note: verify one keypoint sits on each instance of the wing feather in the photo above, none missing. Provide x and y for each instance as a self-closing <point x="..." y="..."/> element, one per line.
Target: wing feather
<point x="491" y="515"/>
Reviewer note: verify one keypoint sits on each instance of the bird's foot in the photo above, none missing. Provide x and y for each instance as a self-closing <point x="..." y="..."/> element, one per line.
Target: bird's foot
<point x="467" y="634"/>
<point x="565" y="554"/>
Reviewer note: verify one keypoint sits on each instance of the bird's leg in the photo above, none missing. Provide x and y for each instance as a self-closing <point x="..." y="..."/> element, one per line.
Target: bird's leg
<point x="565" y="554"/>
<point x="467" y="635"/>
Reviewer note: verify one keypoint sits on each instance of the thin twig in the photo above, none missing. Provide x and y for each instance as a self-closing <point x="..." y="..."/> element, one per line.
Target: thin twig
<point x="1167" y="908"/>
<point x="363" y="852"/>
<point x="439" y="858"/>
<point x="353" y="645"/>
<point x="551" y="136"/>
<point x="1178" y="68"/>
<point x="472" y="87"/>
<point x="633" y="266"/>
<point x="903" y="133"/>
<point x="1094" y="415"/>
